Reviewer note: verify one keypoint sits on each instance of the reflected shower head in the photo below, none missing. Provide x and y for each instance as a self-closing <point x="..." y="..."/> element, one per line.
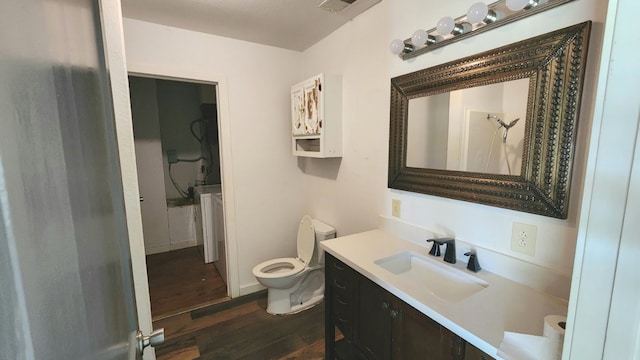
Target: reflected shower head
<point x="512" y="123"/>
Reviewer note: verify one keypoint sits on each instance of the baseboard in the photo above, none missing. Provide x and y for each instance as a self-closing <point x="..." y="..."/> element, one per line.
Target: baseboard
<point x="251" y="288"/>
<point x="156" y="249"/>
<point x="182" y="245"/>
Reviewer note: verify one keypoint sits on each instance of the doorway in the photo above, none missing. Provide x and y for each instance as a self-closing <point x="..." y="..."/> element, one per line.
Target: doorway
<point x="179" y="174"/>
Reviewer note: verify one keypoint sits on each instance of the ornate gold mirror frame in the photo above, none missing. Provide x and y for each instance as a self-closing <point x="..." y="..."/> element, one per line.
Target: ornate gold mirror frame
<point x="555" y="65"/>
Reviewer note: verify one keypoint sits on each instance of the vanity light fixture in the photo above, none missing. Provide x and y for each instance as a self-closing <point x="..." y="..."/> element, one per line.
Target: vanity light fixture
<point x="479" y="18"/>
<point x="515" y="5"/>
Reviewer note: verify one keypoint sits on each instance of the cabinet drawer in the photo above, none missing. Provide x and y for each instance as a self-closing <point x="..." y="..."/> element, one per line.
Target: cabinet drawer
<point x="342" y="314"/>
<point x="341" y="279"/>
<point x="338" y="268"/>
<point x="343" y="288"/>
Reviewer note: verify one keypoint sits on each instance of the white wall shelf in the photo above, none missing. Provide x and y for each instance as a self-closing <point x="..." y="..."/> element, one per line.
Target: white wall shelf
<point x="316" y="117"/>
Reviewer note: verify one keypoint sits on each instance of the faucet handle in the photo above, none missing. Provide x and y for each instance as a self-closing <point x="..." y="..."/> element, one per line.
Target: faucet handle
<point x="450" y="251"/>
<point x="435" y="249"/>
<point x="473" y="264"/>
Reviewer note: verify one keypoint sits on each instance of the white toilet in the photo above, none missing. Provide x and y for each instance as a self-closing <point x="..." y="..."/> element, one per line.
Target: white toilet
<point x="296" y="284"/>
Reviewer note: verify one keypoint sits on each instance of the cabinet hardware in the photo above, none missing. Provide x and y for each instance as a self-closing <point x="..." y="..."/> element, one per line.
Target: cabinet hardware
<point x="394" y="313"/>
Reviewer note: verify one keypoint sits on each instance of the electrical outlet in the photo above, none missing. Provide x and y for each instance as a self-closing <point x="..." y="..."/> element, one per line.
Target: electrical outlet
<point x="523" y="238"/>
<point x="395" y="207"/>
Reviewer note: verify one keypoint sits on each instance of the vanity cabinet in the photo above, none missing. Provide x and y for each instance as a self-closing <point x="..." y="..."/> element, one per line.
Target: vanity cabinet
<point x="388" y="328"/>
<point x="473" y="353"/>
<point x="316" y="117"/>
<point x="377" y="325"/>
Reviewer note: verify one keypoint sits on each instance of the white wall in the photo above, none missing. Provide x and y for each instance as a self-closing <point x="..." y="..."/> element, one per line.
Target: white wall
<point x="266" y="178"/>
<point x="428" y="119"/>
<point x="359" y="52"/>
<point x="488" y="99"/>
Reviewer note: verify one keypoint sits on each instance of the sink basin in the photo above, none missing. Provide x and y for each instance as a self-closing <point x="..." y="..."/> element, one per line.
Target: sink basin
<point x="420" y="273"/>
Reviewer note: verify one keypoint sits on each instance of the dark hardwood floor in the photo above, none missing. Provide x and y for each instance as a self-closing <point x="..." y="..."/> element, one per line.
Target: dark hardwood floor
<point x="242" y="329"/>
<point x="180" y="281"/>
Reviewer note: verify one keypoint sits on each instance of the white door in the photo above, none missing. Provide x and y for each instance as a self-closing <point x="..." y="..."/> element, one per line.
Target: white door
<point x="67" y="290"/>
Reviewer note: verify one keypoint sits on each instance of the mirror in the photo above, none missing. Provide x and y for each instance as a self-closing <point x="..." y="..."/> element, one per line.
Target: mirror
<point x="497" y="128"/>
<point x="476" y="129"/>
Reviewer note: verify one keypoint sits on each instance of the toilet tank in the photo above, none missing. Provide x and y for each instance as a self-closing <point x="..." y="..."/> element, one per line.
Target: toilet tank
<point x="323" y="232"/>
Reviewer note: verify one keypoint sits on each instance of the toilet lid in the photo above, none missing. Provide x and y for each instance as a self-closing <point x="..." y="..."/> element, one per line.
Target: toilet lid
<point x="306" y="239"/>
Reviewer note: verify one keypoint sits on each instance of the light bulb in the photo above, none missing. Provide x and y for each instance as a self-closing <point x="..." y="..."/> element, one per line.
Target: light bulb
<point x="479" y="12"/>
<point x="419" y="38"/>
<point x="396" y="46"/>
<point x="515" y="5"/>
<point x="445" y="25"/>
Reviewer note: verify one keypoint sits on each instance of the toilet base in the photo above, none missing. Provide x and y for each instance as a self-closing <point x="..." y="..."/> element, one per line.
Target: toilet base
<point x="280" y="304"/>
<point x="307" y="294"/>
<point x="307" y="305"/>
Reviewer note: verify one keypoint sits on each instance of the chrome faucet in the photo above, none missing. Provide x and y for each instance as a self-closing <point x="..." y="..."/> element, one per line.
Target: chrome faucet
<point x="449" y="252"/>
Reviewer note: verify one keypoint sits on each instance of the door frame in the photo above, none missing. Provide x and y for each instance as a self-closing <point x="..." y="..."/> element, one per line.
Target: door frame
<point x="114" y="47"/>
<point x="113" y="40"/>
<point x="603" y="311"/>
<point x="226" y="170"/>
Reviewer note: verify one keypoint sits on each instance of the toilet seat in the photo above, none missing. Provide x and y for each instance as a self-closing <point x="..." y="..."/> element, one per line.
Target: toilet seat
<point x="306" y="243"/>
<point x="278" y="268"/>
<point x="296" y="284"/>
<point x="285" y="267"/>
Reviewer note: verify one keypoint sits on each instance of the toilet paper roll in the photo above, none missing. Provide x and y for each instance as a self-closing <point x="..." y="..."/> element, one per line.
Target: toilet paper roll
<point x="517" y="346"/>
<point x="554" y="327"/>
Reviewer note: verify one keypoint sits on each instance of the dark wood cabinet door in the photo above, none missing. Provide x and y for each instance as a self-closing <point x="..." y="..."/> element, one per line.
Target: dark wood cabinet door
<point x="416" y="336"/>
<point x="473" y="353"/>
<point x="372" y="333"/>
<point x="379" y="326"/>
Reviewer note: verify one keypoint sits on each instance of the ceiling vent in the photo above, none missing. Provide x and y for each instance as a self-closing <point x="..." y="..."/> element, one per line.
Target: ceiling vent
<point x="335" y="6"/>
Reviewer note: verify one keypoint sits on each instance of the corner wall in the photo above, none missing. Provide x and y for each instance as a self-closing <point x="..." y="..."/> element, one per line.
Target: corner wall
<point x="359" y="51"/>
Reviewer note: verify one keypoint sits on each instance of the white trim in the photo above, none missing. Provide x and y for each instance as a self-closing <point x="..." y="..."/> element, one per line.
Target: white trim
<point x="156" y="249"/>
<point x="251" y="288"/>
<point x="113" y="37"/>
<point x="623" y="329"/>
<point x="226" y="164"/>
<point x="599" y="262"/>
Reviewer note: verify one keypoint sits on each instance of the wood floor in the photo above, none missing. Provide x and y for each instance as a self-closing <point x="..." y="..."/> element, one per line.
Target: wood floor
<point x="180" y="281"/>
<point x="242" y="329"/>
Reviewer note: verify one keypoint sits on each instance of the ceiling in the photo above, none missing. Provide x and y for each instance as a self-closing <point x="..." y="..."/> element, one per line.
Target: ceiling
<point x="289" y="24"/>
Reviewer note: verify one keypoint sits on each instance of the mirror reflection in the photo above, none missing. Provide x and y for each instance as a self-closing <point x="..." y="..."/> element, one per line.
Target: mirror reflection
<point x="478" y="129"/>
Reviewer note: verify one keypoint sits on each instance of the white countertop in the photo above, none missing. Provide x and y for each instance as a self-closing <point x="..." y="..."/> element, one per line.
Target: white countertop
<point x="481" y="319"/>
